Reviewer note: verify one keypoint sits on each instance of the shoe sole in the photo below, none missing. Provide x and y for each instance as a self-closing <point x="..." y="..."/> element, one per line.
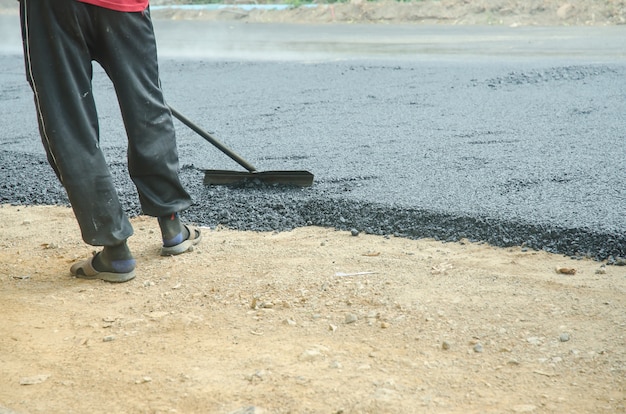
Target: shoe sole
<point x="110" y="277"/>
<point x="185" y="246"/>
<point x="85" y="270"/>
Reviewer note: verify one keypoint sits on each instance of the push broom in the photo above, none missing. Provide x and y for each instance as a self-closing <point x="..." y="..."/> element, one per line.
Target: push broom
<point x="225" y="177"/>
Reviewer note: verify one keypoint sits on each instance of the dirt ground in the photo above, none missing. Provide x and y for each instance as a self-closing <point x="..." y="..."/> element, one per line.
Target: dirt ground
<point x="314" y="320"/>
<point x="483" y="12"/>
<point x="308" y="321"/>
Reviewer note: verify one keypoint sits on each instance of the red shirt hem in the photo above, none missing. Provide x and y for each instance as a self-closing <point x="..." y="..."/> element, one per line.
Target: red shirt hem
<point x="119" y="5"/>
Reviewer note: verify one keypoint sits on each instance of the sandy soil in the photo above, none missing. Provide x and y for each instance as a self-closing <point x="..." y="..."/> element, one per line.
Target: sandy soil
<point x="314" y="320"/>
<point x="308" y="321"/>
<point x="484" y="12"/>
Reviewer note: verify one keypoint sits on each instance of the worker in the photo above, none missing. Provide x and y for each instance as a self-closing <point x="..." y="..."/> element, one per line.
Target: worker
<point x="61" y="39"/>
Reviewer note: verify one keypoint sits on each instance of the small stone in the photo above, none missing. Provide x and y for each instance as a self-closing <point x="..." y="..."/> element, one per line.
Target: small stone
<point x="37" y="379"/>
<point x="311" y="355"/>
<point x="524" y="408"/>
<point x="566" y="270"/>
<point x="351" y="318"/>
<point x="533" y="340"/>
<point x="108" y="338"/>
<point x="22" y="277"/>
<point x="445" y="345"/>
<point x="478" y="348"/>
<point x="564" y="337"/>
<point x="259" y="375"/>
<point x="248" y="410"/>
<point x="354" y="232"/>
<point x="290" y="322"/>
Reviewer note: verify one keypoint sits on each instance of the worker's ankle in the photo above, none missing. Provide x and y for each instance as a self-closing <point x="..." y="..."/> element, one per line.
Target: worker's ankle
<point x="117" y="258"/>
<point x="173" y="231"/>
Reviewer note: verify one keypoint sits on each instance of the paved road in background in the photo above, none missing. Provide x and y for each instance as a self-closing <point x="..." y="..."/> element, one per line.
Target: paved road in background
<point x="508" y="135"/>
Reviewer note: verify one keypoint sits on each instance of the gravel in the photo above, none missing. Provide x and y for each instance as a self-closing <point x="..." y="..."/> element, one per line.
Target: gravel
<point x="28" y="180"/>
<point x="525" y="153"/>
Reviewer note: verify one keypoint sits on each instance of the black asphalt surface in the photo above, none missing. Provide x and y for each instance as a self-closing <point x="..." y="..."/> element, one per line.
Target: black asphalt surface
<point x="511" y="136"/>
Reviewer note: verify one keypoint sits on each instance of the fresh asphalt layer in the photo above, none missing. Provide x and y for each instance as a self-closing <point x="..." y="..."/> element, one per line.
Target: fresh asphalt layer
<point x="511" y="136"/>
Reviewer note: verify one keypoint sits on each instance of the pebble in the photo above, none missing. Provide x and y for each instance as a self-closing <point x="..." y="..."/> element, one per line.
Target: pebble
<point x="239" y="211"/>
<point x="564" y="337"/>
<point x="354" y="232"/>
<point x="311" y="355"/>
<point x="445" y="345"/>
<point x="259" y="375"/>
<point x="108" y="338"/>
<point x="22" y="277"/>
<point x="248" y="410"/>
<point x="524" y="408"/>
<point x="351" y="318"/>
<point x="478" y="348"/>
<point x="37" y="379"/>
<point x="144" y="380"/>
<point x="534" y="340"/>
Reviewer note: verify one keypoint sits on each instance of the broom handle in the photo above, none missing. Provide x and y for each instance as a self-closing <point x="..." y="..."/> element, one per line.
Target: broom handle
<point x="232" y="154"/>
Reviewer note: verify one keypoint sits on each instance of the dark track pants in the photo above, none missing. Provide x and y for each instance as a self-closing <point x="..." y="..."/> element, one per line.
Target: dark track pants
<point x="61" y="38"/>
